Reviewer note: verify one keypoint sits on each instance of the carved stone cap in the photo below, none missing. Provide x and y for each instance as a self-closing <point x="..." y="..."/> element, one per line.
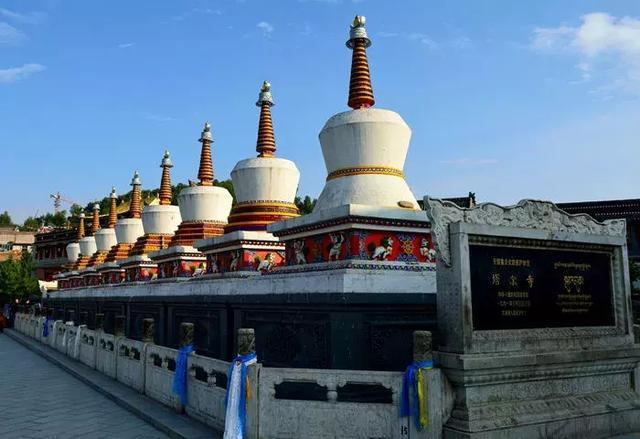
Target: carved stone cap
<point x="99" y="321"/>
<point x="528" y="214"/>
<point x="148" y="330"/>
<point x="422" y="346"/>
<point x="246" y="341"/>
<point x="119" y="326"/>
<point x="186" y="334"/>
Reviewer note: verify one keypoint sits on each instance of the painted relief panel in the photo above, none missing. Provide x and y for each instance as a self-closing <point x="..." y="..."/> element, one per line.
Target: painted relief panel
<point x="361" y="245"/>
<point x="244" y="260"/>
<point x="181" y="268"/>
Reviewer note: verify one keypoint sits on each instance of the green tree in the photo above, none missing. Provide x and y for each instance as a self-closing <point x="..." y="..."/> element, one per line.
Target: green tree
<point x="16" y="277"/>
<point x="75" y="210"/>
<point x="228" y="185"/>
<point x="305" y="205"/>
<point x="5" y="219"/>
<point x="31" y="224"/>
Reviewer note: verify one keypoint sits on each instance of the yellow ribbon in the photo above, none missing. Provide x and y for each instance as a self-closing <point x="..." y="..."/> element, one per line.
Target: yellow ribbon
<point x="423" y="409"/>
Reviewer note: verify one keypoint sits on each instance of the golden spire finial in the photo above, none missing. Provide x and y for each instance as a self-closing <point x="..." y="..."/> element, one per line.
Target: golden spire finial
<point x="113" y="214"/>
<point x="81" y="225"/>
<point x="135" y="208"/>
<point x="360" y="90"/>
<point x="266" y="145"/>
<point x="95" y="221"/>
<point x="205" y="172"/>
<point x="165" y="182"/>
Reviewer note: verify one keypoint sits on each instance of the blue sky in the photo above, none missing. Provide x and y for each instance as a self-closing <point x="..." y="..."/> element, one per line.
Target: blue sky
<point x="508" y="99"/>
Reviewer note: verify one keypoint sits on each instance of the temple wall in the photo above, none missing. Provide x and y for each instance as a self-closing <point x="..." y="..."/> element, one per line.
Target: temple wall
<point x="334" y="320"/>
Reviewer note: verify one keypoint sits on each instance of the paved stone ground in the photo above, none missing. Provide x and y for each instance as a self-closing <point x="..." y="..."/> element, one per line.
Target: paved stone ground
<point x="39" y="400"/>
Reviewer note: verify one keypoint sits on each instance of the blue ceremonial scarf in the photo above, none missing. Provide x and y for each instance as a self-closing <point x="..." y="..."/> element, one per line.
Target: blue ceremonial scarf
<point x="180" y="375"/>
<point x="242" y="406"/>
<point x="45" y="330"/>
<point x="413" y="400"/>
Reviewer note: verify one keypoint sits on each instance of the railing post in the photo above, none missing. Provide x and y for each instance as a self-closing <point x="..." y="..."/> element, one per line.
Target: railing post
<point x="148" y="330"/>
<point x="186" y="334"/>
<point x="423" y="351"/>
<point x="118" y="330"/>
<point x="99" y="321"/>
<point x="422" y="346"/>
<point x="246" y="343"/>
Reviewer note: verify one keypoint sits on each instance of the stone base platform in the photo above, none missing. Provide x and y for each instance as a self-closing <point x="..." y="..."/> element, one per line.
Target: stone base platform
<point x="580" y="394"/>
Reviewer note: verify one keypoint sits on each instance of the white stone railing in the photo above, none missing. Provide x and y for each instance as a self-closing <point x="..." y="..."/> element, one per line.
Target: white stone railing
<point x="130" y="365"/>
<point x="160" y="364"/>
<point x="88" y="343"/>
<point x="288" y="413"/>
<point x="61" y="336"/>
<point x="206" y="389"/>
<point x="285" y="403"/>
<point x="106" y="354"/>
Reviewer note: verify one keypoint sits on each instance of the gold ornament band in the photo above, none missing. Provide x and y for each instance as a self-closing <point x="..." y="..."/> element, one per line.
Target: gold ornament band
<point x="375" y="170"/>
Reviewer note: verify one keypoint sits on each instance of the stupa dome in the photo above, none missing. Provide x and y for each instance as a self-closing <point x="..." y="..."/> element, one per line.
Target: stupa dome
<point x="164" y="218"/>
<point x="205" y="202"/>
<point x="106" y="238"/>
<point x="73" y="251"/>
<point x="128" y="230"/>
<point x="364" y="149"/>
<point x="265" y="186"/>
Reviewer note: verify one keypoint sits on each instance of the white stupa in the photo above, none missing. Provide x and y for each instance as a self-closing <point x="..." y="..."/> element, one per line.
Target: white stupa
<point x="128" y="230"/>
<point x="366" y="214"/>
<point x="204" y="209"/>
<point x="159" y="222"/>
<point x="106" y="237"/>
<point x="265" y="188"/>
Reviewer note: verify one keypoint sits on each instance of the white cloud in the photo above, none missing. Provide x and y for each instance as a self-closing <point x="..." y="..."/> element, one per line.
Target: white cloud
<point x="158" y="117"/>
<point x="467" y="161"/>
<point x="30" y="18"/>
<point x="424" y="39"/>
<point x="266" y="27"/>
<point x="10" y="36"/>
<point x="14" y="74"/>
<point x="124" y="45"/>
<point x="608" y="47"/>
<point x="458" y="43"/>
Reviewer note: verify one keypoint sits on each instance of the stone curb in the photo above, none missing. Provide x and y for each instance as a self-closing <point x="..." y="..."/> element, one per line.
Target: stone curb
<point x="155" y="414"/>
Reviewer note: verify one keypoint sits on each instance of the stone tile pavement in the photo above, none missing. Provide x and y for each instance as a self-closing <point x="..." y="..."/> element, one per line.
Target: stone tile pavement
<point x="40" y="400"/>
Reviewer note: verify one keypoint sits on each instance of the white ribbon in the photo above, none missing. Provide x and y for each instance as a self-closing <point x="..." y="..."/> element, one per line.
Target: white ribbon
<point x="232" y="424"/>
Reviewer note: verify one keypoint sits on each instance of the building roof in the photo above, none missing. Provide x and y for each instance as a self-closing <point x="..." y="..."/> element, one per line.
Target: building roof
<point x="628" y="209"/>
<point x="9" y="234"/>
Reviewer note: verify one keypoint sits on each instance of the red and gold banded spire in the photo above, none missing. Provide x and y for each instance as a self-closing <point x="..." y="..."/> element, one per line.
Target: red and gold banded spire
<point x="81" y="226"/>
<point x="135" y="209"/>
<point x="113" y="213"/>
<point x="266" y="145"/>
<point x="150" y="242"/>
<point x="165" y="182"/>
<point x="205" y="173"/>
<point x="95" y="221"/>
<point x="360" y="90"/>
<point x="257" y="214"/>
